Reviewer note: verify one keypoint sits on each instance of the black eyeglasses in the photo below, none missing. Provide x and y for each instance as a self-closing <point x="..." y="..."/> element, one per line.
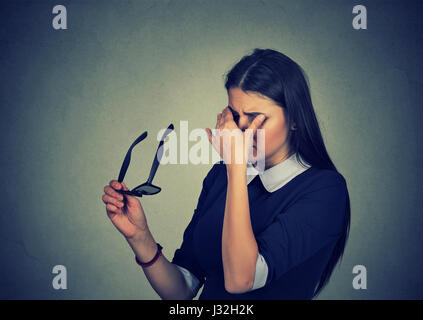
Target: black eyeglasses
<point x="147" y="188"/>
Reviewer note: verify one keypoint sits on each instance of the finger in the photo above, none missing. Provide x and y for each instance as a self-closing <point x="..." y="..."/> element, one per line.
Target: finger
<point x="209" y="135"/>
<point x="256" y="122"/>
<point x="213" y="139"/>
<point x="110" y="208"/>
<point x="108" y="199"/>
<point x="227" y="115"/>
<point x="113" y="193"/>
<point x="218" y="120"/>
<point x="115" y="184"/>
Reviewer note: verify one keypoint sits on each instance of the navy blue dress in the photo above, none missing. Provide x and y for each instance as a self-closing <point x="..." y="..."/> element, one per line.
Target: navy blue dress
<point x="296" y="228"/>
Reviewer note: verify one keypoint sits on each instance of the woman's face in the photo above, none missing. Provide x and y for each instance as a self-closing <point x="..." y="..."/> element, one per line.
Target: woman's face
<point x="245" y="106"/>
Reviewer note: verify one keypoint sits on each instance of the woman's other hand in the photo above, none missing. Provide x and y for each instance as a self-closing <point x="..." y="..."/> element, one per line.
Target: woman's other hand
<point x="233" y="144"/>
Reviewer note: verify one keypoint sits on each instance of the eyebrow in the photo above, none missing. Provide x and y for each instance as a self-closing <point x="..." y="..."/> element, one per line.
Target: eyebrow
<point x="247" y="113"/>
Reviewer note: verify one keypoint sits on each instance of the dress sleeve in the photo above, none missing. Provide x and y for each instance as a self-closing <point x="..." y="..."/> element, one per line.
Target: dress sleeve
<point x="312" y="222"/>
<point x="185" y="256"/>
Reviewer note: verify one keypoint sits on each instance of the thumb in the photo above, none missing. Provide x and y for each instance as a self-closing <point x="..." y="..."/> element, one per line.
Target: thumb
<point x="124" y="187"/>
<point x="130" y="200"/>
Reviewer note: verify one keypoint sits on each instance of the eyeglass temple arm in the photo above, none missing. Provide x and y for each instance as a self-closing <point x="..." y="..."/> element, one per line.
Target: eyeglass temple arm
<point x="127" y="160"/>
<point x="159" y="153"/>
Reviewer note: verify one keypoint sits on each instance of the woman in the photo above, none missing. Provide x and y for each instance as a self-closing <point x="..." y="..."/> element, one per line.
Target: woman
<point x="272" y="234"/>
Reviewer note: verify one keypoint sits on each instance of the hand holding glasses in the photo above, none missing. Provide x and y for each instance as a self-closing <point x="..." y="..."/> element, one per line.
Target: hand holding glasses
<point x="147" y="188"/>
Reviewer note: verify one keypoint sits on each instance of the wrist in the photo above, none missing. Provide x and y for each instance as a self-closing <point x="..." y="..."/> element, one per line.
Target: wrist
<point x="236" y="169"/>
<point x="144" y="246"/>
<point x="140" y="237"/>
<point x="151" y="261"/>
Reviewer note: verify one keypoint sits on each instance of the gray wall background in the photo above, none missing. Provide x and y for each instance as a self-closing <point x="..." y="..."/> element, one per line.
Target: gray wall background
<point x="73" y="100"/>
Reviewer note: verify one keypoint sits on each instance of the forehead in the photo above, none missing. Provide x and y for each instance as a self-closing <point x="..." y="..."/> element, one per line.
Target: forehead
<point x="249" y="101"/>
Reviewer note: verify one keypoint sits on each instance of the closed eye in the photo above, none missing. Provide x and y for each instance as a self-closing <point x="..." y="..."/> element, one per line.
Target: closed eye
<point x="250" y="115"/>
<point x="253" y="115"/>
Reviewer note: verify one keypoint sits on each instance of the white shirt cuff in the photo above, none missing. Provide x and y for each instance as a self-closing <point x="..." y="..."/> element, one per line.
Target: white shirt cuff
<point x="260" y="276"/>
<point x="191" y="280"/>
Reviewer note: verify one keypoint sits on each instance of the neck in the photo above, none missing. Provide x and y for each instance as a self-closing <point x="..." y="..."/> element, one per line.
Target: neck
<point x="275" y="159"/>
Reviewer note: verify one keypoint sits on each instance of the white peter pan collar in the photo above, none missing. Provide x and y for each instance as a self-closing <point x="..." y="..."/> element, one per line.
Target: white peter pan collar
<point x="277" y="176"/>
